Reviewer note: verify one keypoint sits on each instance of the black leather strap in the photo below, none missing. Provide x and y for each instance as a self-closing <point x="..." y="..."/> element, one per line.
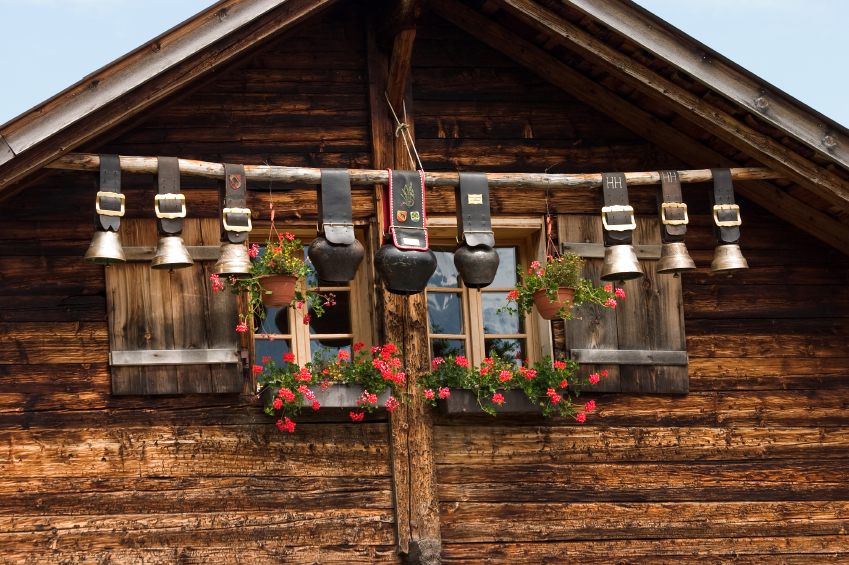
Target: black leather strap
<point x="335" y="216"/>
<point x="232" y="192"/>
<point x="614" y="192"/>
<point x="723" y="194"/>
<point x="110" y="181"/>
<point x="168" y="182"/>
<point x="670" y="193"/>
<point x="474" y="223"/>
<point x="407" y="210"/>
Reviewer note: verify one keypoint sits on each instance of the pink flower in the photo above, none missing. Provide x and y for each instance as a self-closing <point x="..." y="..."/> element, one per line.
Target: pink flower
<point x="290" y="237"/>
<point x="604" y="373"/>
<point x="581" y="418"/>
<point x="518" y="355"/>
<point x="375" y="349"/>
<point x="303" y="375"/>
<point x="254" y="251"/>
<point x="257" y="369"/>
<point x="357" y="417"/>
<point x="444" y="393"/>
<point x="316" y="405"/>
<point x="530" y="373"/>
<point x="266" y="359"/>
<point x="620" y="293"/>
<point x="498" y="398"/>
<point x="278" y="404"/>
<point x="288" y="426"/>
<point x="287" y="395"/>
<point x="611" y="302"/>
<point x="513" y="295"/>
<point x="535" y="265"/>
<point x="608" y="288"/>
<point x="390" y="347"/>
<point x="392" y="404"/>
<point x="429" y="394"/>
<point x="555" y="398"/>
<point x="504" y="376"/>
<point x="461" y="360"/>
<point x="289" y="357"/>
<point x="358" y="346"/>
<point x="307" y="320"/>
<point x="589" y="406"/>
<point x="243" y="327"/>
<point x="559" y="365"/>
<point x="300" y="303"/>
<point x="216" y="283"/>
<point x="563" y="384"/>
<point x="551" y="392"/>
<point x="594" y="378"/>
<point x="344" y="355"/>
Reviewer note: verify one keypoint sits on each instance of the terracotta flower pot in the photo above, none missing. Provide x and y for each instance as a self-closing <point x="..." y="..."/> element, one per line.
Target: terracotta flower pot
<point x="282" y="289"/>
<point x="547" y="309"/>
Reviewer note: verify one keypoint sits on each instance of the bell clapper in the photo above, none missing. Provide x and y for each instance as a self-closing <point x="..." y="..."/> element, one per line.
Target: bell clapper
<point x="676" y="276"/>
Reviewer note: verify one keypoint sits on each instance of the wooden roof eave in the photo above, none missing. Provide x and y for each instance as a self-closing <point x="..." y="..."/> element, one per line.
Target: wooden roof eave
<point x="171" y="53"/>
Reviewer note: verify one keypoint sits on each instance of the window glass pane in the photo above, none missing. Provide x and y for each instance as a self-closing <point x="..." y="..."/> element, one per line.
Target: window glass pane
<point x="445" y="275"/>
<point x="274" y="349"/>
<point x="446" y="347"/>
<point x="506" y="275"/>
<point x="499" y="323"/>
<point x="335" y="345"/>
<point x="336" y="319"/>
<point x="276" y="321"/>
<point x="444" y="312"/>
<point x="506" y="349"/>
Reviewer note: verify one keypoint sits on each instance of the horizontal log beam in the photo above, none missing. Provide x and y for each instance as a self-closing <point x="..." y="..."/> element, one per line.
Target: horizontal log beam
<point x="364" y="177"/>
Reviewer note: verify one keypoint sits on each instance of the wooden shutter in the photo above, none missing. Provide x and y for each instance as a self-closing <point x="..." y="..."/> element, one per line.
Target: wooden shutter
<point x="650" y="319"/>
<point x="152" y="310"/>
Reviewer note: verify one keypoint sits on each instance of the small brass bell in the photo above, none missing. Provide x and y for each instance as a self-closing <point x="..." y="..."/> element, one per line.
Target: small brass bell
<point x="233" y="260"/>
<point x="105" y="249"/>
<point x="728" y="259"/>
<point x="171" y="253"/>
<point x="674" y="259"/>
<point x="620" y="264"/>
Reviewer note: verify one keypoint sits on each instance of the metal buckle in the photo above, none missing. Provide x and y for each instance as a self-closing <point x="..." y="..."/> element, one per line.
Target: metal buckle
<point x="666" y="205"/>
<point x="228" y="227"/>
<point x="728" y="223"/>
<point x="170" y="215"/>
<point x="618" y="227"/>
<point x="103" y="194"/>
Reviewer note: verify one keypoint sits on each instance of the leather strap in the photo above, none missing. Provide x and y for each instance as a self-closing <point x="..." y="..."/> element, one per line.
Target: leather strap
<point x="670" y="193"/>
<point x="168" y="182"/>
<point x="110" y="181"/>
<point x="474" y="223"/>
<point x="723" y="194"/>
<point x="614" y="192"/>
<point x="232" y="192"/>
<point x="335" y="215"/>
<point x="407" y="210"/>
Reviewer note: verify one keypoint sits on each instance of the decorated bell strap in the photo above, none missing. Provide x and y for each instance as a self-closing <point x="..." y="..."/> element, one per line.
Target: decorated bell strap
<point x="474" y="223"/>
<point x="407" y="210"/>
<point x="109" y="202"/>
<point x="726" y="214"/>
<point x="617" y="215"/>
<point x="169" y="204"/>
<point x="671" y="207"/>
<point x="234" y="214"/>
<point x="335" y="215"/>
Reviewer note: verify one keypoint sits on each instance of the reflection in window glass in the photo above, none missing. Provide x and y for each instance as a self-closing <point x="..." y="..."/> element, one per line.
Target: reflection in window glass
<point x="336" y="319"/>
<point x="506" y="349"/>
<point x="276" y="322"/>
<point x="446" y="347"/>
<point x="505" y="277"/>
<point x="274" y="349"/>
<point x="444" y="313"/>
<point x="445" y="275"/>
<point x="498" y="323"/>
<point x="335" y="346"/>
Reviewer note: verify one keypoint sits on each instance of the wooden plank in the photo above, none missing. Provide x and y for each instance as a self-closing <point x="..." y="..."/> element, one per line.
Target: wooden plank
<point x="596" y="250"/>
<point x="399" y="68"/>
<point x="648" y="126"/>
<point x="735" y="84"/>
<point x="197" y="252"/>
<point x="6" y="153"/>
<point x="629" y="357"/>
<point x="594" y="327"/>
<point x="55" y="342"/>
<point x="818" y="180"/>
<point x="174" y="357"/>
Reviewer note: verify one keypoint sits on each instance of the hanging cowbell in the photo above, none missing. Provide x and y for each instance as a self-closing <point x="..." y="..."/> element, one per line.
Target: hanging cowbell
<point x="726" y="216"/>
<point x="674" y="258"/>
<point x="617" y="217"/>
<point x="406" y="264"/>
<point x="105" y="248"/>
<point x="336" y="253"/>
<point x="476" y="260"/>
<point x="170" y="207"/>
<point x="235" y="222"/>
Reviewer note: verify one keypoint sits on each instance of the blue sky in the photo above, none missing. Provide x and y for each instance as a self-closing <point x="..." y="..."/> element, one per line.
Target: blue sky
<point x="801" y="47"/>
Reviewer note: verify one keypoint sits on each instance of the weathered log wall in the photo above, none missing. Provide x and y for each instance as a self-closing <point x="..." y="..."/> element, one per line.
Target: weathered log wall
<point x="751" y="465"/>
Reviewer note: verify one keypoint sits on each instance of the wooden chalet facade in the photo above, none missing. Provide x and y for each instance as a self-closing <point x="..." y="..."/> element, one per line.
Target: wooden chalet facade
<point x="749" y="465"/>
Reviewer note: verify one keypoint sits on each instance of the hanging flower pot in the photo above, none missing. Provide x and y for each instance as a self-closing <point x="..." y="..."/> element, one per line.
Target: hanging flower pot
<point x="548" y="309"/>
<point x="282" y="289"/>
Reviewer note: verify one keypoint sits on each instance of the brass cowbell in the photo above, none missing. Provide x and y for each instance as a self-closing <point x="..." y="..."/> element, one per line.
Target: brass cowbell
<point x="171" y="253"/>
<point x="674" y="259"/>
<point x="105" y="248"/>
<point x="620" y="264"/>
<point x="728" y="259"/>
<point x="233" y="260"/>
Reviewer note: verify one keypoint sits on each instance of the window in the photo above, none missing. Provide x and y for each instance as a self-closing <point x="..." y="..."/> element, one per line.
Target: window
<point x="283" y="329"/>
<point x="464" y="321"/>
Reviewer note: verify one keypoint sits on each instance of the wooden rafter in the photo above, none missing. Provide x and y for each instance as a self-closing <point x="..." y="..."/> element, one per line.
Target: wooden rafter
<point x="762" y="147"/>
<point x="651" y="128"/>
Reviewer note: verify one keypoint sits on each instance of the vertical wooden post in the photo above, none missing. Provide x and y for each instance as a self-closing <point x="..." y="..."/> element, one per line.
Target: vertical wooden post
<point x="405" y="324"/>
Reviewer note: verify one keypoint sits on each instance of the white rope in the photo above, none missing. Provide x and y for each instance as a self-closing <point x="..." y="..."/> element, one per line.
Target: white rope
<point x="404" y="129"/>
